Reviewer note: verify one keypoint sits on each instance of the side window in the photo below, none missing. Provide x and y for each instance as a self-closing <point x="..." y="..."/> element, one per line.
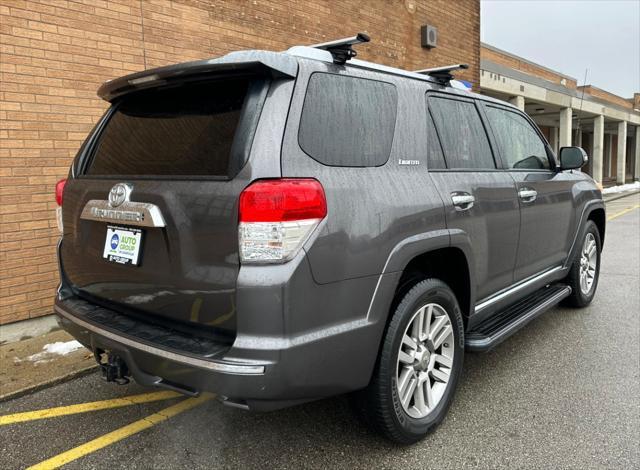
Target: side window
<point x="348" y="121"/>
<point x="462" y="134"/>
<point x="520" y="145"/>
<point x="435" y="159"/>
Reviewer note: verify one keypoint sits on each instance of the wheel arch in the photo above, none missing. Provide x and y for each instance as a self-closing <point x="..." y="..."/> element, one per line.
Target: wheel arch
<point x="417" y="257"/>
<point x="593" y="210"/>
<point x="447" y="264"/>
<point x="443" y="254"/>
<point x="597" y="215"/>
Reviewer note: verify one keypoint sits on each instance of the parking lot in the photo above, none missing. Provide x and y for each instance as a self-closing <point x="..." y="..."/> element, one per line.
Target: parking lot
<point x="562" y="393"/>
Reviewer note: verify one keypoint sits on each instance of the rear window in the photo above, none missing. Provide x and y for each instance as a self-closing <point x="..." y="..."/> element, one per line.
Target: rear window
<point x="348" y="121"/>
<point x="183" y="131"/>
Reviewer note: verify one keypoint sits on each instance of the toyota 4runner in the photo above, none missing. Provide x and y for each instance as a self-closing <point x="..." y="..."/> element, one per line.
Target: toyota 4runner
<point x="281" y="227"/>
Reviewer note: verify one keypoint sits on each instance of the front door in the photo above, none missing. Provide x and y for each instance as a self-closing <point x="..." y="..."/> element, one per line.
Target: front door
<point x="480" y="199"/>
<point x="544" y="195"/>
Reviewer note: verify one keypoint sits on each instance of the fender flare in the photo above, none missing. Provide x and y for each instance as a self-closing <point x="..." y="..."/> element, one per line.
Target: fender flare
<point x="407" y="249"/>
<point x="587" y="209"/>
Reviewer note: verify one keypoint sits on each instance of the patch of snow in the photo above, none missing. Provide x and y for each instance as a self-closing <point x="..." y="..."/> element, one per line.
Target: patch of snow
<point x="622" y="188"/>
<point x="58" y="348"/>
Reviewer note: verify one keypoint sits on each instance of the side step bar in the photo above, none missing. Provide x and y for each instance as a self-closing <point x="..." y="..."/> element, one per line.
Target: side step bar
<point x="500" y="326"/>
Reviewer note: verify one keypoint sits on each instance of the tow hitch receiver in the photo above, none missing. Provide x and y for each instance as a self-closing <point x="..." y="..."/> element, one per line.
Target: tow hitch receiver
<point x="114" y="369"/>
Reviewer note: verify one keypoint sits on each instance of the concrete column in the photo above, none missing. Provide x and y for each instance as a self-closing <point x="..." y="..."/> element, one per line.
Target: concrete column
<point x="598" y="147"/>
<point x="622" y="151"/>
<point x="518" y="101"/>
<point x="636" y="170"/>
<point x="553" y="141"/>
<point x="578" y="141"/>
<point x="565" y="127"/>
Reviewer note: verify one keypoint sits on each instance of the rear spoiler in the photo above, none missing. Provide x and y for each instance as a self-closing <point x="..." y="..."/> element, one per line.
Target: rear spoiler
<point x="276" y="63"/>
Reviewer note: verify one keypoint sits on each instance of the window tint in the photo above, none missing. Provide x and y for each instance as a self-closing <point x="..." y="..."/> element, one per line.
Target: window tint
<point x="520" y="145"/>
<point x="348" y="121"/>
<point x="188" y="130"/>
<point x="435" y="158"/>
<point x="462" y="134"/>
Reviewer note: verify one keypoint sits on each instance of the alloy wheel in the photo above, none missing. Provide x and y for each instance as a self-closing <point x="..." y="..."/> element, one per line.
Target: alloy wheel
<point x="588" y="263"/>
<point x="425" y="359"/>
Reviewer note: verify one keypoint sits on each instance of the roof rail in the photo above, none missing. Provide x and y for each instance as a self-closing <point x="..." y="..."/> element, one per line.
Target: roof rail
<point x="341" y="49"/>
<point x="442" y="74"/>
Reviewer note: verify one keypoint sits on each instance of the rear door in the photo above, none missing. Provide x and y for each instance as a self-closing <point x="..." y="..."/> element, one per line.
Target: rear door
<point x="162" y="180"/>
<point x="544" y="195"/>
<point x="480" y="198"/>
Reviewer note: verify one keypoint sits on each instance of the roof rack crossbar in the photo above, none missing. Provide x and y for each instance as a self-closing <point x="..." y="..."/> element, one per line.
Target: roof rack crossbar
<point x="341" y="50"/>
<point x="442" y="74"/>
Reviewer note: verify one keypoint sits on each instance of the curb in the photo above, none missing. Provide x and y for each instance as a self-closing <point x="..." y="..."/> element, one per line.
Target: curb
<point x="49" y="383"/>
<point x="615" y="198"/>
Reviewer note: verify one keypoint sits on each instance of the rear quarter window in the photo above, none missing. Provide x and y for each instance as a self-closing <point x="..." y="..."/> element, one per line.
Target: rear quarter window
<point x="348" y="121"/>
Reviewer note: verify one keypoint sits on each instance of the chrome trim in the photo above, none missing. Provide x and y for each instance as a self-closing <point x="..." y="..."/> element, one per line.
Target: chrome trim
<point x="462" y="201"/>
<point x="119" y="194"/>
<point x="512" y="290"/>
<point x="142" y="214"/>
<point x="226" y="368"/>
<point x="527" y="195"/>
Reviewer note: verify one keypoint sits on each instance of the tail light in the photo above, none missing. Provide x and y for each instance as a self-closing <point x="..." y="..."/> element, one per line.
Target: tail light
<point x="60" y="190"/>
<point x="277" y="216"/>
<point x="59" y="193"/>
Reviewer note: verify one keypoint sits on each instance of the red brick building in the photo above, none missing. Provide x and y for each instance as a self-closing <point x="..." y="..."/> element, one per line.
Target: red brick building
<point x="55" y="54"/>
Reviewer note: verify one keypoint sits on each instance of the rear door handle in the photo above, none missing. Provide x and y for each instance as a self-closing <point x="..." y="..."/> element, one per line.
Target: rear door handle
<point x="462" y="201"/>
<point x="527" y="194"/>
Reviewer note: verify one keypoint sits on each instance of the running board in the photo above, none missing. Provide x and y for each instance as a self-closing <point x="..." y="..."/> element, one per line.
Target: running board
<point x="503" y="324"/>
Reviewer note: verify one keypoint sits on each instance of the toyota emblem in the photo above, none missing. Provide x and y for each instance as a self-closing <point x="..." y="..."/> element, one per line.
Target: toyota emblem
<point x="119" y="194"/>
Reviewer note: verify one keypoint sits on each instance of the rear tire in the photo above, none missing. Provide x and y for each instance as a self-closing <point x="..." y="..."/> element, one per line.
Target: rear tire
<point x="585" y="269"/>
<point x="419" y="365"/>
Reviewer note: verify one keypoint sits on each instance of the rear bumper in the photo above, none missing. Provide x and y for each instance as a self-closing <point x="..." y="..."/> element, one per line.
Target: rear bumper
<point x="90" y="330"/>
<point x="256" y="372"/>
<point x="156" y="366"/>
<point x="296" y="340"/>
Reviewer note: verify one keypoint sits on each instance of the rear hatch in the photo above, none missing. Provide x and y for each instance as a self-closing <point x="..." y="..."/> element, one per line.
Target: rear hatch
<point x="150" y="218"/>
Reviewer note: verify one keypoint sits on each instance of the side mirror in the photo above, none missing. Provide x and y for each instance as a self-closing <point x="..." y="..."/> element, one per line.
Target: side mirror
<point x="572" y="158"/>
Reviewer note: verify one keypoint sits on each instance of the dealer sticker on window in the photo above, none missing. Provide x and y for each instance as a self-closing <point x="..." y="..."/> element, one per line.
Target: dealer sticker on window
<point x="123" y="245"/>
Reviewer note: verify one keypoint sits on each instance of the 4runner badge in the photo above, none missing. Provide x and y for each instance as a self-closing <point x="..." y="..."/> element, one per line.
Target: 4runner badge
<point x="408" y="162"/>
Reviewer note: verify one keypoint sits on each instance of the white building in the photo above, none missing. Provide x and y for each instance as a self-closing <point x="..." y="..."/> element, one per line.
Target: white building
<point x="607" y="126"/>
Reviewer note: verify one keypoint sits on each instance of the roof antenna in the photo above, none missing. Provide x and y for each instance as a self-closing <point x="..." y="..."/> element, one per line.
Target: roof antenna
<point x="342" y="50"/>
<point x="584" y="84"/>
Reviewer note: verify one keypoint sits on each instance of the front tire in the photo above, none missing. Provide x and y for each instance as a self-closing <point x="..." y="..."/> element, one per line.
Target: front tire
<point x="419" y="365"/>
<point x="585" y="269"/>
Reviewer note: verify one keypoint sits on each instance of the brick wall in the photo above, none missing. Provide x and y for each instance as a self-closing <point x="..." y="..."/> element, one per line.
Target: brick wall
<point x="606" y="96"/>
<point x="524" y="66"/>
<point x="56" y="53"/>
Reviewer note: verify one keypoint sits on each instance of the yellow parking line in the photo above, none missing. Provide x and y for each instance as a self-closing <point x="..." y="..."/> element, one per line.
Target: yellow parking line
<point x="618" y="214"/>
<point x="84" y="407"/>
<point x="121" y="433"/>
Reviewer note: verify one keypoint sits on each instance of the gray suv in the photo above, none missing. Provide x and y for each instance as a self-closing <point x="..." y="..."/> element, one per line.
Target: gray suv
<point x="282" y="227"/>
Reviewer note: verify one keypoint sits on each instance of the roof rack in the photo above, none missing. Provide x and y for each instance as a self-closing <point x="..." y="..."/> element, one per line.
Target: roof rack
<point x="341" y="49"/>
<point x="442" y="75"/>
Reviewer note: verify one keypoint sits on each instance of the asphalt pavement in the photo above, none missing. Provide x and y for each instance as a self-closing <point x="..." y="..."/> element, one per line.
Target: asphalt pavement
<point x="562" y="393"/>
